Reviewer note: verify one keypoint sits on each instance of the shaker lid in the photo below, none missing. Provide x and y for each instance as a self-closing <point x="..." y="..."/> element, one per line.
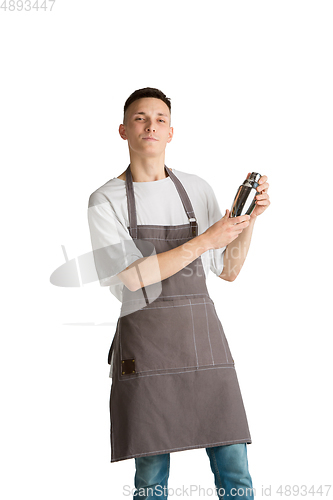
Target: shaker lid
<point x="254" y="177"/>
<point x="252" y="181"/>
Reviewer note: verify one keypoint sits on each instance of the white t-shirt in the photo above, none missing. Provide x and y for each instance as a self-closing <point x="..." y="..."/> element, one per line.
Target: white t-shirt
<point x="157" y="203"/>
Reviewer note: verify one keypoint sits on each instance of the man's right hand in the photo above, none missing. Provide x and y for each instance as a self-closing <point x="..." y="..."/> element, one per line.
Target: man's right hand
<point x="225" y="230"/>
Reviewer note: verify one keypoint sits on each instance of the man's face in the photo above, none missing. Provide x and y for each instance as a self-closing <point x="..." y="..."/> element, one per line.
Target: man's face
<point x="147" y="127"/>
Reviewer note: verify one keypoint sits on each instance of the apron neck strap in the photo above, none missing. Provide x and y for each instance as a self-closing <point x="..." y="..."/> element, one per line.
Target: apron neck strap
<point x="133" y="227"/>
<point x="181" y="191"/>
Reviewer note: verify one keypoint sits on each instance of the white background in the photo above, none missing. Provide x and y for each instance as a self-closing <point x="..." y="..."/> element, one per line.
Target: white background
<point x="251" y="89"/>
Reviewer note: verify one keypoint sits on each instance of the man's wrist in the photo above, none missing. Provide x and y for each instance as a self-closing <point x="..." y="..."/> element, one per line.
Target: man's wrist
<point x="204" y="242"/>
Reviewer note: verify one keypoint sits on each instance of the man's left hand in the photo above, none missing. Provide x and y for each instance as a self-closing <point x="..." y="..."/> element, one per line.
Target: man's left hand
<point x="262" y="199"/>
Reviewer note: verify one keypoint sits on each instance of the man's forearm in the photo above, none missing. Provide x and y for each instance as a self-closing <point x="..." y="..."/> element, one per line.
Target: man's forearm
<point x="236" y="252"/>
<point x="158" y="267"/>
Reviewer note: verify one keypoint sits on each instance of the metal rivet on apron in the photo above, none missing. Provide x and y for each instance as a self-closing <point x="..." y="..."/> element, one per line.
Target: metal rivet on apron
<point x="193" y="223"/>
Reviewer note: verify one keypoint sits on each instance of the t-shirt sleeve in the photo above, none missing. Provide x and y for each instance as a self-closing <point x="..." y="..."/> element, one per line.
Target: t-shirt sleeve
<point x="214" y="214"/>
<point x="113" y="246"/>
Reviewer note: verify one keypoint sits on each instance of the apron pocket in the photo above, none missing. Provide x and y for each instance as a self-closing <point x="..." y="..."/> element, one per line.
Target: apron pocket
<point x="160" y="336"/>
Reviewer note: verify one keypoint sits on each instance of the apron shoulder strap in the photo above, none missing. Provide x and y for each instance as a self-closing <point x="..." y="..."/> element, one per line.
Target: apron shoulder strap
<point x="131" y="204"/>
<point x="185" y="201"/>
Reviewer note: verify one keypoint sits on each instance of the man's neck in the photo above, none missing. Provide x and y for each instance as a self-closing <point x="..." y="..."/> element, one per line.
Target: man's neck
<point x="146" y="170"/>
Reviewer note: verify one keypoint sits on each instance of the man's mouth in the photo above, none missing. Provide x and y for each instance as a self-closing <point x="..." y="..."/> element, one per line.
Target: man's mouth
<point x="149" y="139"/>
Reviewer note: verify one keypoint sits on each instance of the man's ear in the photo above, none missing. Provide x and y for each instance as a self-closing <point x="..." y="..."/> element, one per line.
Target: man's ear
<point x="122" y="132"/>
<point x="170" y="134"/>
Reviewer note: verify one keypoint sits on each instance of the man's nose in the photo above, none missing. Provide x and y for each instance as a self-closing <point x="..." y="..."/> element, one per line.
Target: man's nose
<point x="150" y="127"/>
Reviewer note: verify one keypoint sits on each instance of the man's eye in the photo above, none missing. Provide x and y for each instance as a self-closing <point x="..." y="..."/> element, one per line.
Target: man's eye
<point x="162" y="120"/>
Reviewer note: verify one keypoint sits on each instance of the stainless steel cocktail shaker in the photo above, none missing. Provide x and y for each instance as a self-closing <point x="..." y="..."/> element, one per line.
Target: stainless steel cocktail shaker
<point x="244" y="202"/>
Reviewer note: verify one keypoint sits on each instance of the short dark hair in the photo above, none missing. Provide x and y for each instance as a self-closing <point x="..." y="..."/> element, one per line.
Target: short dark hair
<point x="147" y="92"/>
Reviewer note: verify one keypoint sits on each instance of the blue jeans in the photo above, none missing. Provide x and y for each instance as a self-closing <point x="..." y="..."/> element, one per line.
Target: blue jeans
<point x="228" y="463"/>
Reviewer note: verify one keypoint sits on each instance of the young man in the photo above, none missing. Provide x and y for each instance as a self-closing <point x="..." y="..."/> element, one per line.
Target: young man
<point x="156" y="232"/>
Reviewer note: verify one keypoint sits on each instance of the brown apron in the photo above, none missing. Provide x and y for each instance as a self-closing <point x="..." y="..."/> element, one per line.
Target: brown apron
<point x="174" y="384"/>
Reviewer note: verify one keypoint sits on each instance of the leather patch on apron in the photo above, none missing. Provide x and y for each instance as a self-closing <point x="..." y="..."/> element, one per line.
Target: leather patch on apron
<point x="127" y="366"/>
